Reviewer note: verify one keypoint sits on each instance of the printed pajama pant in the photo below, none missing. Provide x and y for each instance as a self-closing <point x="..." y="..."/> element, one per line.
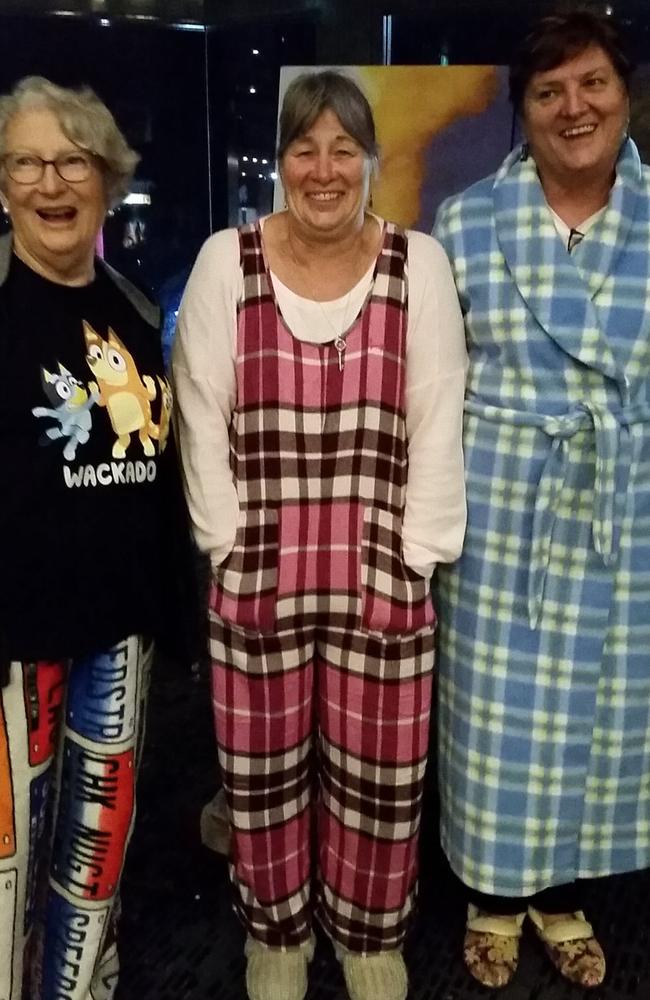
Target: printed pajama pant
<point x="328" y="728"/>
<point x="70" y="737"/>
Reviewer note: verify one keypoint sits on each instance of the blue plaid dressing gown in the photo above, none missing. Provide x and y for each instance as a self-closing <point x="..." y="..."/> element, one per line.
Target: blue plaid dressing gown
<point x="545" y="620"/>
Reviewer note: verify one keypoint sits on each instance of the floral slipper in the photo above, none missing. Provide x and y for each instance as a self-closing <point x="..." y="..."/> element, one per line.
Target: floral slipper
<point x="571" y="946"/>
<point x="491" y="946"/>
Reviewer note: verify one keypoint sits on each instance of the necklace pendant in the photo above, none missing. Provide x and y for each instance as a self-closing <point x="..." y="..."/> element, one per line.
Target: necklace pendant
<point x="339" y="345"/>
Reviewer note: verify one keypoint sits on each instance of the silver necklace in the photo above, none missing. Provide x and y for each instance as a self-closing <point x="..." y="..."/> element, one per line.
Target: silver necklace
<point x="338" y="330"/>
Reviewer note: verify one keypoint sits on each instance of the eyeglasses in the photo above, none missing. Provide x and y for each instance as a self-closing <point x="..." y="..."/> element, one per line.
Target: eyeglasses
<point x="27" y="168"/>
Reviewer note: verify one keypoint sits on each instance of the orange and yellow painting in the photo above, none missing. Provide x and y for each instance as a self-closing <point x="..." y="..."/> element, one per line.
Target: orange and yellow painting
<point x="439" y="129"/>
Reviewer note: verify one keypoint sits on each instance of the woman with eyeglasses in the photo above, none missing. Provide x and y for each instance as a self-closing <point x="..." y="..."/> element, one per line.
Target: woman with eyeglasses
<point x="91" y="539"/>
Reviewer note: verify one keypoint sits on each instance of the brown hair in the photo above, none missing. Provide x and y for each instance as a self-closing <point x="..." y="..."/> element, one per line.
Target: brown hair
<point x="559" y="37"/>
<point x="312" y="93"/>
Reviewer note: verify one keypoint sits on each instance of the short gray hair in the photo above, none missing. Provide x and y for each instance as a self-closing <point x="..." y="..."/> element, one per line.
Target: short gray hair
<point x="84" y="120"/>
<point x="312" y="93"/>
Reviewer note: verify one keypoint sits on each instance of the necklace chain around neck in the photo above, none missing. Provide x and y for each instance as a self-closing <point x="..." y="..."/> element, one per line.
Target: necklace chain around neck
<point x="340" y="326"/>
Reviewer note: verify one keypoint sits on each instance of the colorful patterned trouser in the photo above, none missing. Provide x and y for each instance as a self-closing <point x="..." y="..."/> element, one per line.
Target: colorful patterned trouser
<point x="323" y="727"/>
<point x="70" y="735"/>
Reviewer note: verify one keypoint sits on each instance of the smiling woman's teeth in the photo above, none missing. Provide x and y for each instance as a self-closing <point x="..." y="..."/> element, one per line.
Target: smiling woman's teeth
<point x="578" y="130"/>
<point x="324" y="195"/>
<point x="55" y="214"/>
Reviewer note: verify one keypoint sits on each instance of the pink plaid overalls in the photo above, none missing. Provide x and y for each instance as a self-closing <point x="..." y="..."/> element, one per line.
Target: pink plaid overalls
<point x="321" y="638"/>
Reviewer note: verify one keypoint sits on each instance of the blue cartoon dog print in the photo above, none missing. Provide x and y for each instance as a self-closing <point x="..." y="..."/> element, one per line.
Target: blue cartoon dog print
<point x="71" y="406"/>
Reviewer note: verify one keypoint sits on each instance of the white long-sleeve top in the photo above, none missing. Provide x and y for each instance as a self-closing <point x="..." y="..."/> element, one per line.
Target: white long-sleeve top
<point x="203" y="365"/>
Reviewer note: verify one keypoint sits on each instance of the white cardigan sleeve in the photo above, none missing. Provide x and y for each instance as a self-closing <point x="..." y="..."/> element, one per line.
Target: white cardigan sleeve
<point x="436" y="365"/>
<point x="203" y="373"/>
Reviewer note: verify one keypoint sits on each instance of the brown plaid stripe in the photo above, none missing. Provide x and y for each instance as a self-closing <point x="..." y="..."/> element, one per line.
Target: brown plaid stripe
<point x="377" y="931"/>
<point x="285" y="921"/>
<point x="245" y="584"/>
<point x="395" y="599"/>
<point x="329" y="464"/>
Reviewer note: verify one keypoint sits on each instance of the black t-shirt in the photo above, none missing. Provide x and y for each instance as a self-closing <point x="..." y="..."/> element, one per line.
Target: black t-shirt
<point x="89" y="495"/>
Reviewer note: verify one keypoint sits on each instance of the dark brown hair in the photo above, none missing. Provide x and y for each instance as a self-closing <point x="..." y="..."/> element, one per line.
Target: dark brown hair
<point x="561" y="36"/>
<point x="312" y="93"/>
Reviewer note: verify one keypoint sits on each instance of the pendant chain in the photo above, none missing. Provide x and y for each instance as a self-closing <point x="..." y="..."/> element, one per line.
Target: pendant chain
<point x="338" y="329"/>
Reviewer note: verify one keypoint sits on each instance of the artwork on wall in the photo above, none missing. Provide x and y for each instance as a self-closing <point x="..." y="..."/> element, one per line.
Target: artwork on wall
<point x="439" y="129"/>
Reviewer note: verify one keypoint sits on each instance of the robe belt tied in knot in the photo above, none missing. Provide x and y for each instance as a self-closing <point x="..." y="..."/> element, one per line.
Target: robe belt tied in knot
<point x="606" y="425"/>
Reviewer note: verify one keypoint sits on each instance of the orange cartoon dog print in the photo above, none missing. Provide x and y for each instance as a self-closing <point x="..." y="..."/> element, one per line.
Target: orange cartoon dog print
<point x="119" y="387"/>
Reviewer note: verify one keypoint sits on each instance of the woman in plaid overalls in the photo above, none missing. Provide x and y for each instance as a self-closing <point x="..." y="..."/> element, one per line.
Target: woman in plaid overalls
<point x="319" y="370"/>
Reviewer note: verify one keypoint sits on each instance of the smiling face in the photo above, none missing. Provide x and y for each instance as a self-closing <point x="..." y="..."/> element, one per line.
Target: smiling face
<point x="326" y="176"/>
<point x="55" y="223"/>
<point x="575" y="117"/>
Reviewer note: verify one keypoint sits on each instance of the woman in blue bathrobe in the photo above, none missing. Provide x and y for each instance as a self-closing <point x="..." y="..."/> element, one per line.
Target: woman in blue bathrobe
<point x="545" y="620"/>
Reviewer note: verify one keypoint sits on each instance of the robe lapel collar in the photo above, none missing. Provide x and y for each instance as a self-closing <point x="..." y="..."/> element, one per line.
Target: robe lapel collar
<point x="547" y="277"/>
<point x="597" y="257"/>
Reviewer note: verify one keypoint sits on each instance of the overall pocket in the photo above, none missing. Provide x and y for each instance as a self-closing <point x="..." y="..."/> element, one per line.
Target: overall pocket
<point x="394" y="598"/>
<point x="244" y="587"/>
